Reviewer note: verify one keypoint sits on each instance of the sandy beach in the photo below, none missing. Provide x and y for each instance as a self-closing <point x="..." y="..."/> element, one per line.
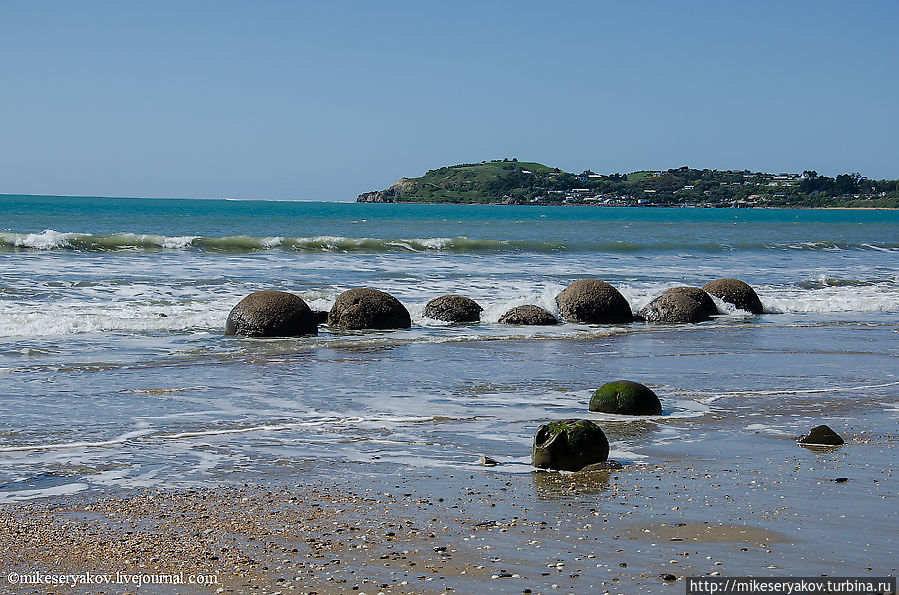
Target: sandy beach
<point x="794" y="511"/>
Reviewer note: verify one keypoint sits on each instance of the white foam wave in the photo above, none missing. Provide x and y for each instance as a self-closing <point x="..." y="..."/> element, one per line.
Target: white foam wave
<point x="127" y="437"/>
<point x="793" y="391"/>
<point x="336" y="421"/>
<point x="46" y="240"/>
<point x="880" y="297"/>
<point x="178" y="242"/>
<point x="60" y="490"/>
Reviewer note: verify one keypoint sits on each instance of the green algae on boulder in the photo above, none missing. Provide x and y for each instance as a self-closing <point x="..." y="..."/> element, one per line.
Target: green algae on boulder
<point x="569" y="445"/>
<point x="625" y="398"/>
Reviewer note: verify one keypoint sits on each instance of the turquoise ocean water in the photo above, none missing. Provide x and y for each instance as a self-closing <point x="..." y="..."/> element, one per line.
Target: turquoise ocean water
<point x="116" y="373"/>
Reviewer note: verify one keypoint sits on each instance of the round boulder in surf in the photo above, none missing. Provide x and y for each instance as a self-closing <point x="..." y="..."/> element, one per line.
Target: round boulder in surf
<point x="271" y="313"/>
<point x="698" y="294"/>
<point x="453" y="308"/>
<point x="673" y="308"/>
<point x="590" y="301"/>
<point x="528" y="315"/>
<point x="365" y="308"/>
<point x="736" y="292"/>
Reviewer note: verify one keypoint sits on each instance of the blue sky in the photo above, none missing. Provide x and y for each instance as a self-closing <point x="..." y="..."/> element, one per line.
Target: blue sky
<point x="302" y="100"/>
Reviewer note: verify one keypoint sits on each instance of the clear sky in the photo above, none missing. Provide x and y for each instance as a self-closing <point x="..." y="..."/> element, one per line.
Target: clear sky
<point x="325" y="100"/>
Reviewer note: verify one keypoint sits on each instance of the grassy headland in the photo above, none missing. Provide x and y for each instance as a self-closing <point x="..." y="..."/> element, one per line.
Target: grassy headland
<point x="517" y="182"/>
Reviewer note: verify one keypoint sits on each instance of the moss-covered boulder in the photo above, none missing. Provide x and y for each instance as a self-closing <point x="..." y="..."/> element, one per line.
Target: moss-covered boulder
<point x="625" y="398"/>
<point x="528" y="315"/>
<point x="453" y="308"/>
<point x="590" y="301"/>
<point x="698" y="294"/>
<point x="736" y="292"/>
<point x="569" y="445"/>
<point x="822" y="435"/>
<point x="673" y="308"/>
<point x="271" y="313"/>
<point x="366" y="308"/>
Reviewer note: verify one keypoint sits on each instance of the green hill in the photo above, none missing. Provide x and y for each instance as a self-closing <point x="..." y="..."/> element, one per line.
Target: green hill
<point x="519" y="182"/>
<point x="491" y="181"/>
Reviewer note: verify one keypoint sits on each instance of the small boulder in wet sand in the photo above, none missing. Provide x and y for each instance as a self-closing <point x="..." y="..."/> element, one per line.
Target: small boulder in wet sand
<point x="321" y="316"/>
<point x="365" y="308"/>
<point x="698" y="294"/>
<point x="569" y="445"/>
<point x="271" y="313"/>
<point x="528" y="315"/>
<point x="590" y="301"/>
<point x="453" y="308"/>
<point x="822" y="435"/>
<point x="673" y="308"/>
<point x="736" y="292"/>
<point x="625" y="398"/>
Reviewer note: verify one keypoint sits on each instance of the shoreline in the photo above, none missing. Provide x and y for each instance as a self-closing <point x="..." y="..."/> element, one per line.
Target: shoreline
<point x="723" y="493"/>
<point x="499" y="204"/>
<point x="700" y="509"/>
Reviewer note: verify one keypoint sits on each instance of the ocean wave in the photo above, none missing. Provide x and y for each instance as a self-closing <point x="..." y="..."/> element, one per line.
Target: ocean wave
<point x="50" y="240"/>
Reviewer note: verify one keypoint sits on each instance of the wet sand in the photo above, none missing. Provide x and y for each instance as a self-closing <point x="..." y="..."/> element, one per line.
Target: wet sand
<point x="714" y="507"/>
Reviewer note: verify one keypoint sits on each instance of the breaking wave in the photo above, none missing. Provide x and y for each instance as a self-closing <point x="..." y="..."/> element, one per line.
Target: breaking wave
<point x="49" y="240"/>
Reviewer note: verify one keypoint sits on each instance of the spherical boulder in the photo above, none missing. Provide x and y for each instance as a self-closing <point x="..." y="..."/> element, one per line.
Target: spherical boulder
<point x="271" y="313"/>
<point x="673" y="308"/>
<point x="365" y="308"/>
<point x="736" y="292"/>
<point x="453" y="308"/>
<point x="569" y="445"/>
<point x="625" y="398"/>
<point x="590" y="301"/>
<point x="528" y="315"/>
<point x="698" y="294"/>
<point x="822" y="435"/>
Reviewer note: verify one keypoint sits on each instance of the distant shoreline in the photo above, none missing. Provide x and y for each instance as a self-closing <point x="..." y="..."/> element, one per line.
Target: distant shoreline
<point x="416" y="202"/>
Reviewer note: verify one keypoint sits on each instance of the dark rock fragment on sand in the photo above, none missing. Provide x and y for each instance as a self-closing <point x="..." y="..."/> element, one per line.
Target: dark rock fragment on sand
<point x="271" y="313"/>
<point x="365" y="308"/>
<point x="453" y="308"/>
<point x="609" y="465"/>
<point x="822" y="435"/>
<point x="528" y="315"/>
<point x="673" y="308"/>
<point x="590" y="301"/>
<point x="625" y="398"/>
<point x="736" y="292"/>
<point x="569" y="445"/>
<point x="667" y="577"/>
